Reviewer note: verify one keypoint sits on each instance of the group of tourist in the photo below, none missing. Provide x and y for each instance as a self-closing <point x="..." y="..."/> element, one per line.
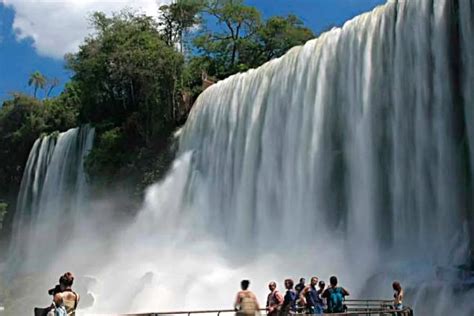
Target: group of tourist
<point x="65" y="300"/>
<point x="314" y="298"/>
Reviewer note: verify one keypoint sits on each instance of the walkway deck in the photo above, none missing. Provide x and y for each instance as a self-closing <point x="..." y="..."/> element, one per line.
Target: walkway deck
<point x="355" y="307"/>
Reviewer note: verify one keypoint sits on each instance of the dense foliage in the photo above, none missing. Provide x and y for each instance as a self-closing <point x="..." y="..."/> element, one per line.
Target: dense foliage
<point x="134" y="79"/>
<point x="244" y="40"/>
<point x="22" y="120"/>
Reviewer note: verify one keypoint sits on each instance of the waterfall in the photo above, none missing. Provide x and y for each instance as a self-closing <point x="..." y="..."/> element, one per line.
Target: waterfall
<point x="361" y="140"/>
<point x="352" y="155"/>
<point x="53" y="190"/>
<point x="357" y="133"/>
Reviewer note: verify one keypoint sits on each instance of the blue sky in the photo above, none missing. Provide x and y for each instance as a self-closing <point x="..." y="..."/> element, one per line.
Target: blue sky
<point x="30" y="42"/>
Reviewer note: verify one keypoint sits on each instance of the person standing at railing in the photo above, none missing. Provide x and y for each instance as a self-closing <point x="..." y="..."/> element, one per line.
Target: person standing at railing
<point x="289" y="301"/>
<point x="300" y="286"/>
<point x="321" y="288"/>
<point x="246" y="303"/>
<point x="335" y="296"/>
<point x="300" y="305"/>
<point x="274" y="300"/>
<point x="398" y="295"/>
<point x="311" y="297"/>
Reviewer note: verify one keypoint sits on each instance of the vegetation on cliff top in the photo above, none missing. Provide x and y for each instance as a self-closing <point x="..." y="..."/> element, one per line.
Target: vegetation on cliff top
<point x="134" y="79"/>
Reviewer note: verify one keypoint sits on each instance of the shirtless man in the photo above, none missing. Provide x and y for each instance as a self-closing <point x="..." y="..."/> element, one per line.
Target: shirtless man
<point x="246" y="303"/>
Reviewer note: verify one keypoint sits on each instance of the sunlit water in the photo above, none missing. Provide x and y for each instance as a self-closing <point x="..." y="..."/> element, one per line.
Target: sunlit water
<point x="347" y="156"/>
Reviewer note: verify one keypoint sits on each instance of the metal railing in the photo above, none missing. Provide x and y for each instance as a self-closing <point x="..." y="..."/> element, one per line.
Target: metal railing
<point x="354" y="307"/>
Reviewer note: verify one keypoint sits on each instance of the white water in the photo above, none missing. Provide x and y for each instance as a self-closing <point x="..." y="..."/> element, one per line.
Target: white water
<point x="52" y="195"/>
<point x="343" y="157"/>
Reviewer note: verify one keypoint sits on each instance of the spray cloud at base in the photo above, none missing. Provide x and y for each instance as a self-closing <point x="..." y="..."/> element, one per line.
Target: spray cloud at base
<point x="346" y="156"/>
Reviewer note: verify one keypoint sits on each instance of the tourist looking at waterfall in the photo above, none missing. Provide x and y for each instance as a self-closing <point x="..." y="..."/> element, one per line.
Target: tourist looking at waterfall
<point x="246" y="303"/>
<point x="65" y="300"/>
<point x="300" y="305"/>
<point x="310" y="296"/>
<point x="300" y="286"/>
<point x="69" y="297"/>
<point x="398" y="295"/>
<point x="335" y="296"/>
<point x="321" y="288"/>
<point x="289" y="300"/>
<point x="274" y="300"/>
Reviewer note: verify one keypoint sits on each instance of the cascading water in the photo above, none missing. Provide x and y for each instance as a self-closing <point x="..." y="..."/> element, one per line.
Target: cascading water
<point x="52" y="193"/>
<point x="351" y="155"/>
<point x="356" y="147"/>
<point x="357" y="133"/>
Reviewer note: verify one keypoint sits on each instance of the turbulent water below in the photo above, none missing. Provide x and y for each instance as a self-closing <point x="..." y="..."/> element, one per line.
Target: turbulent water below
<point x="351" y="155"/>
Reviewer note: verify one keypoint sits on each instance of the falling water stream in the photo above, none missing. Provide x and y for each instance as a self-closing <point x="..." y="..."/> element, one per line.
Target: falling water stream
<point x="351" y="155"/>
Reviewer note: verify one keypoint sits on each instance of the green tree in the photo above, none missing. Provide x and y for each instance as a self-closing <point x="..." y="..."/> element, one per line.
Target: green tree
<point x="52" y="83"/>
<point x="37" y="80"/>
<point x="239" y="24"/>
<point x="126" y="82"/>
<point x="126" y="70"/>
<point x="245" y="41"/>
<point x="177" y="18"/>
<point x="278" y="35"/>
<point x="22" y="120"/>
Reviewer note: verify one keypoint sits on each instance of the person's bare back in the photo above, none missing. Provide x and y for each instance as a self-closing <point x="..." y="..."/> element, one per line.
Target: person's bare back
<point x="246" y="303"/>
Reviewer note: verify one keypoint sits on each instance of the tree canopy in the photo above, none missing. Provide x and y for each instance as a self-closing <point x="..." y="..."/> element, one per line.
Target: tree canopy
<point x="245" y="40"/>
<point x="37" y="80"/>
<point x="134" y="78"/>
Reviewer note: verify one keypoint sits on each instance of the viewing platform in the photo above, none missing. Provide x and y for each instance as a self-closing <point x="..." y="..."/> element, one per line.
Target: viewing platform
<point x="354" y="307"/>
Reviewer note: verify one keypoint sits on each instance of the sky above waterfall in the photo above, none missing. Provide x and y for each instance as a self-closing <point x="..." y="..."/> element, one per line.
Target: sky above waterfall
<point x="35" y="34"/>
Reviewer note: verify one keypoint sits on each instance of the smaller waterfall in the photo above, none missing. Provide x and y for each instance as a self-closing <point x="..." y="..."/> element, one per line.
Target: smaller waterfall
<point x="53" y="191"/>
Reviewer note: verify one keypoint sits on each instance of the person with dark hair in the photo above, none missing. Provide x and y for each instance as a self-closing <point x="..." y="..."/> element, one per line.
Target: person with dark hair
<point x="321" y="287"/>
<point x="300" y="286"/>
<point x="64" y="299"/>
<point x="274" y="300"/>
<point x="311" y="297"/>
<point x="246" y="303"/>
<point x="300" y="305"/>
<point x="289" y="300"/>
<point x="335" y="296"/>
<point x="398" y="295"/>
<point x="69" y="297"/>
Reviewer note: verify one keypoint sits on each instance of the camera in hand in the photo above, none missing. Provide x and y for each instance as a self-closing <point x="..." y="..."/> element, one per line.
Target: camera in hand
<point x="55" y="290"/>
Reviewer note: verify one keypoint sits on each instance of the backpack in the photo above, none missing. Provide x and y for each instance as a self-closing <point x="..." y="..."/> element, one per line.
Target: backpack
<point x="336" y="297"/>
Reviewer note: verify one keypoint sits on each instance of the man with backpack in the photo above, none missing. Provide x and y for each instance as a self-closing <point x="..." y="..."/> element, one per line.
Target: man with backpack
<point x="335" y="296"/>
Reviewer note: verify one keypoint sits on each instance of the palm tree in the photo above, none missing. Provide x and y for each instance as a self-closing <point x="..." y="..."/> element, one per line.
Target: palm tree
<point x="37" y="80"/>
<point x="53" y="83"/>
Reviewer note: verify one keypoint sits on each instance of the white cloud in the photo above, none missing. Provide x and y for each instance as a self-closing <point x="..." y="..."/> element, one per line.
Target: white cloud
<point x="59" y="26"/>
